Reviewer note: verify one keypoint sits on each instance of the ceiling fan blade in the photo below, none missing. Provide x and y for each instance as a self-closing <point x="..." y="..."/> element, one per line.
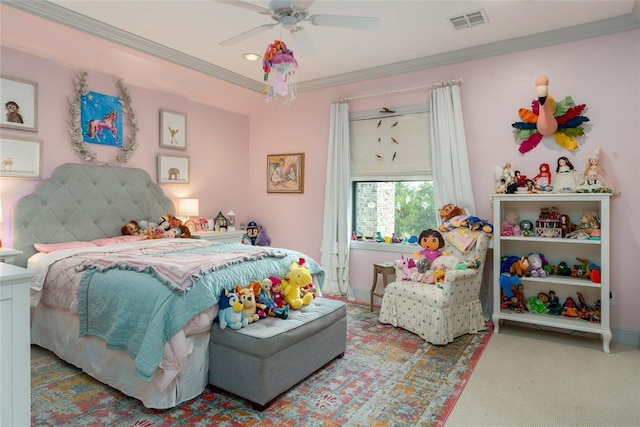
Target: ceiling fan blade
<point x="345" y="21"/>
<point x="303" y="41"/>
<point x="245" y="5"/>
<point x="248" y="34"/>
<point x="305" y="4"/>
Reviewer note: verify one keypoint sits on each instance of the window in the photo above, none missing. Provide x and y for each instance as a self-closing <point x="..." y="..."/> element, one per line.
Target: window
<point x="393" y="208"/>
<point x="391" y="174"/>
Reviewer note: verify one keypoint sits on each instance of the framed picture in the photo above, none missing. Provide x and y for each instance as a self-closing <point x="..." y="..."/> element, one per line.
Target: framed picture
<point x="173" y="169"/>
<point x="20" y="158"/>
<point x="173" y="130"/>
<point x="285" y="173"/>
<point x="19" y="100"/>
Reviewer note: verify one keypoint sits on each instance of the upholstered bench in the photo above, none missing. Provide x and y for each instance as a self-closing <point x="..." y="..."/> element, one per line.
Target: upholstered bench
<point x="268" y="357"/>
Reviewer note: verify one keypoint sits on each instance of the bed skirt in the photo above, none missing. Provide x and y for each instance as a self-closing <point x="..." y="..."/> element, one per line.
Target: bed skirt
<point x="57" y="331"/>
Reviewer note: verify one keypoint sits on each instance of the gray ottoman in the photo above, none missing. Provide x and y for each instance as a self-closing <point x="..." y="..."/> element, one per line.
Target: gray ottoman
<point x="268" y="357"/>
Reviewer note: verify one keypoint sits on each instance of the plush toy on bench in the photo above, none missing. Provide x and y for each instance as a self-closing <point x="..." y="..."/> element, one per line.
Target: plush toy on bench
<point x="297" y="277"/>
<point x="230" y="313"/>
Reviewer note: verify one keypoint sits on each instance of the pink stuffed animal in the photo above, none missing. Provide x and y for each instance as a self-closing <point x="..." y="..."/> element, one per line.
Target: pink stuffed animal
<point x="408" y="266"/>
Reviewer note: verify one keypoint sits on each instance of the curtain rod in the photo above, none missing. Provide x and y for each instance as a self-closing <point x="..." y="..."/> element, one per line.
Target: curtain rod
<point x="409" y="89"/>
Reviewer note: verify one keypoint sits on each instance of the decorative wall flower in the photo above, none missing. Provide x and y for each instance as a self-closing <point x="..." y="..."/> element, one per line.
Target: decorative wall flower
<point x="546" y="118"/>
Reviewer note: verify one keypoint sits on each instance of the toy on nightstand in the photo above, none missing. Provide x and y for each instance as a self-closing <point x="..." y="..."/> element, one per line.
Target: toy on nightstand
<point x="249" y="238"/>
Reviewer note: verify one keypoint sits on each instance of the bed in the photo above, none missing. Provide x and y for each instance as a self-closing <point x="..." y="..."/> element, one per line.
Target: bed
<point x="87" y="280"/>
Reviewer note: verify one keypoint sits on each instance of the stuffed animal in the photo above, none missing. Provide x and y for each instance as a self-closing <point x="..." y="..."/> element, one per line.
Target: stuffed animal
<point x="164" y="225"/>
<point x="262" y="239"/>
<point x="520" y="267"/>
<point x="181" y="230"/>
<point x="230" y="311"/>
<point x="447" y="212"/>
<point x="132" y="228"/>
<point x="475" y="223"/>
<point x="408" y="267"/>
<point x="251" y="307"/>
<point x="536" y="265"/>
<point x="510" y="225"/>
<point x="249" y="238"/>
<point x="277" y="292"/>
<point x="297" y="277"/>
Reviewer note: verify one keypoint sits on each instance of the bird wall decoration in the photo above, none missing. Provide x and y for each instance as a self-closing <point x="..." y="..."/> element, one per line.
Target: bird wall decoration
<point x="563" y="120"/>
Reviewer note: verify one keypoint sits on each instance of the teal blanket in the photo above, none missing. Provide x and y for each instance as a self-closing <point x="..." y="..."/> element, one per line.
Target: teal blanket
<point x="135" y="312"/>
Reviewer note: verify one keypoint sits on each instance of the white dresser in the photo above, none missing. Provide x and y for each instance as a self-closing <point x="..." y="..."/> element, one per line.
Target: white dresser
<point x="15" y="349"/>
<point x="220" y="236"/>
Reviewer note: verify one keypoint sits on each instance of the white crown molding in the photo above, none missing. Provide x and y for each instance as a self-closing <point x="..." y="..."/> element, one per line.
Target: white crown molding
<point x="61" y="15"/>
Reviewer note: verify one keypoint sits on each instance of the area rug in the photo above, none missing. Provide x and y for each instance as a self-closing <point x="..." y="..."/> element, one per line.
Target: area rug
<point x="388" y="377"/>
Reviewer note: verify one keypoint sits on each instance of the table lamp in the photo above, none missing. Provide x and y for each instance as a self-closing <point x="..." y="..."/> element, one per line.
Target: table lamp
<point x="188" y="208"/>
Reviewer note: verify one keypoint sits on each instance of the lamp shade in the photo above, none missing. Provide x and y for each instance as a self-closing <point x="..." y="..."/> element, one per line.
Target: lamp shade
<point x="188" y="207"/>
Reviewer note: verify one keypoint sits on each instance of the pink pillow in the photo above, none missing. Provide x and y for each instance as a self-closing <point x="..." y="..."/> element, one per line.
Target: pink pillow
<point x="50" y="247"/>
<point x="118" y="239"/>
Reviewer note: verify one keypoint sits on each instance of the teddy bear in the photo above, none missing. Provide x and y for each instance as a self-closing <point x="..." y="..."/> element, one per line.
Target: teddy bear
<point x="510" y="225"/>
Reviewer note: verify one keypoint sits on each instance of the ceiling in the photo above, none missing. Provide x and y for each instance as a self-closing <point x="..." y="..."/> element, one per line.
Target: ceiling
<point x="411" y="35"/>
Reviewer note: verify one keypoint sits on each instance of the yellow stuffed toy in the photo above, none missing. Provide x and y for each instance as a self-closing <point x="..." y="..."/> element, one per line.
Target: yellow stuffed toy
<point x="297" y="277"/>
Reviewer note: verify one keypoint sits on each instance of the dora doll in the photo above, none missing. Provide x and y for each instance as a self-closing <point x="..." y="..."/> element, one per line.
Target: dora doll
<point x="432" y="243"/>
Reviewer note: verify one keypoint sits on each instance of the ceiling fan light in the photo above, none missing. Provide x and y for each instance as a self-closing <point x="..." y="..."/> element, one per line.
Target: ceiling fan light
<point x="250" y="56"/>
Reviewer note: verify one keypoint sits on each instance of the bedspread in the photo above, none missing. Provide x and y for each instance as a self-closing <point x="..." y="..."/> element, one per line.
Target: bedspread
<point x="137" y="313"/>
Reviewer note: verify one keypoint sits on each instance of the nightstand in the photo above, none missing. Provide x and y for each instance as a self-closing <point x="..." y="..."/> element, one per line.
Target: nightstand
<point x="384" y="269"/>
<point x="220" y="236"/>
<point x="15" y="353"/>
<point x="8" y="255"/>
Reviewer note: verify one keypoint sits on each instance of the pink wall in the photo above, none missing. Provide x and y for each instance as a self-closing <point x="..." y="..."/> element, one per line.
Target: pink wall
<point x="228" y="150"/>
<point x="217" y="140"/>
<point x="602" y="72"/>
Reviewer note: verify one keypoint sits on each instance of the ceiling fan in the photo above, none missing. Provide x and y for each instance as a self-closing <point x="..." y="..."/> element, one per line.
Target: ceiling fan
<point x="291" y="13"/>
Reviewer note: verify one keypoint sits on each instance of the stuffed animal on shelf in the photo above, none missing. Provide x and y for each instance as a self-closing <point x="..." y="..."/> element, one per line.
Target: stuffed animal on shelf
<point x="230" y="311"/>
<point x="297" y="277"/>
<point x="536" y="265"/>
<point x="554" y="307"/>
<point x="510" y="225"/>
<point x="520" y="267"/>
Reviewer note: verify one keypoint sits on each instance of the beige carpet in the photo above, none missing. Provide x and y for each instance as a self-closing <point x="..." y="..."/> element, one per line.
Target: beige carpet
<point x="529" y="377"/>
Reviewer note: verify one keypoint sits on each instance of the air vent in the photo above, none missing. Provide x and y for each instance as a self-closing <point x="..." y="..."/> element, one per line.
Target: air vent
<point x="468" y="20"/>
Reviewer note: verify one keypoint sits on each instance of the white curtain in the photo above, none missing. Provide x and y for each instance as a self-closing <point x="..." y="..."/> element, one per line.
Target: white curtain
<point x="334" y="252"/>
<point x="449" y="149"/>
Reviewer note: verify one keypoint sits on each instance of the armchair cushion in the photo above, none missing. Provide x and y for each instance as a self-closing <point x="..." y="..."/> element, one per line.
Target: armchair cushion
<point x="439" y="314"/>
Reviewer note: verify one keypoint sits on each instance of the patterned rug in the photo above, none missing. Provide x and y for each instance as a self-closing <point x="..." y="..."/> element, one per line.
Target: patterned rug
<point x="388" y="377"/>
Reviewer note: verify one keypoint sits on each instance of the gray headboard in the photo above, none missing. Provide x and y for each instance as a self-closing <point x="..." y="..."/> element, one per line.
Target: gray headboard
<point x="85" y="202"/>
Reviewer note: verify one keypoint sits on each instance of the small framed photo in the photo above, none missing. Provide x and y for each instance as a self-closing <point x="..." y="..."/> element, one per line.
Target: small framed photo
<point x="173" y="130"/>
<point x="173" y="169"/>
<point x="20" y="158"/>
<point x="19" y="100"/>
<point x="285" y="173"/>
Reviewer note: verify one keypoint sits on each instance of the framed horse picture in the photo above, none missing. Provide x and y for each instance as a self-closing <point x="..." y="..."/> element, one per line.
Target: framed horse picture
<point x="20" y="158"/>
<point x="173" y="130"/>
<point x="101" y="119"/>
<point x="173" y="169"/>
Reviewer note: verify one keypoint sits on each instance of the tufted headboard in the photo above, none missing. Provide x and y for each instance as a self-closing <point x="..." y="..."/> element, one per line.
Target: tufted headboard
<point x="85" y="202"/>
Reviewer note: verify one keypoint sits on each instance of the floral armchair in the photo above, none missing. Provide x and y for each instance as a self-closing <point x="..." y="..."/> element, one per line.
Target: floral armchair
<point x="440" y="312"/>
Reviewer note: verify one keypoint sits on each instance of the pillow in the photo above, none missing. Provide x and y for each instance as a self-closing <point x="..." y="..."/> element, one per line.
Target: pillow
<point x="118" y="239"/>
<point x="50" y="247"/>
